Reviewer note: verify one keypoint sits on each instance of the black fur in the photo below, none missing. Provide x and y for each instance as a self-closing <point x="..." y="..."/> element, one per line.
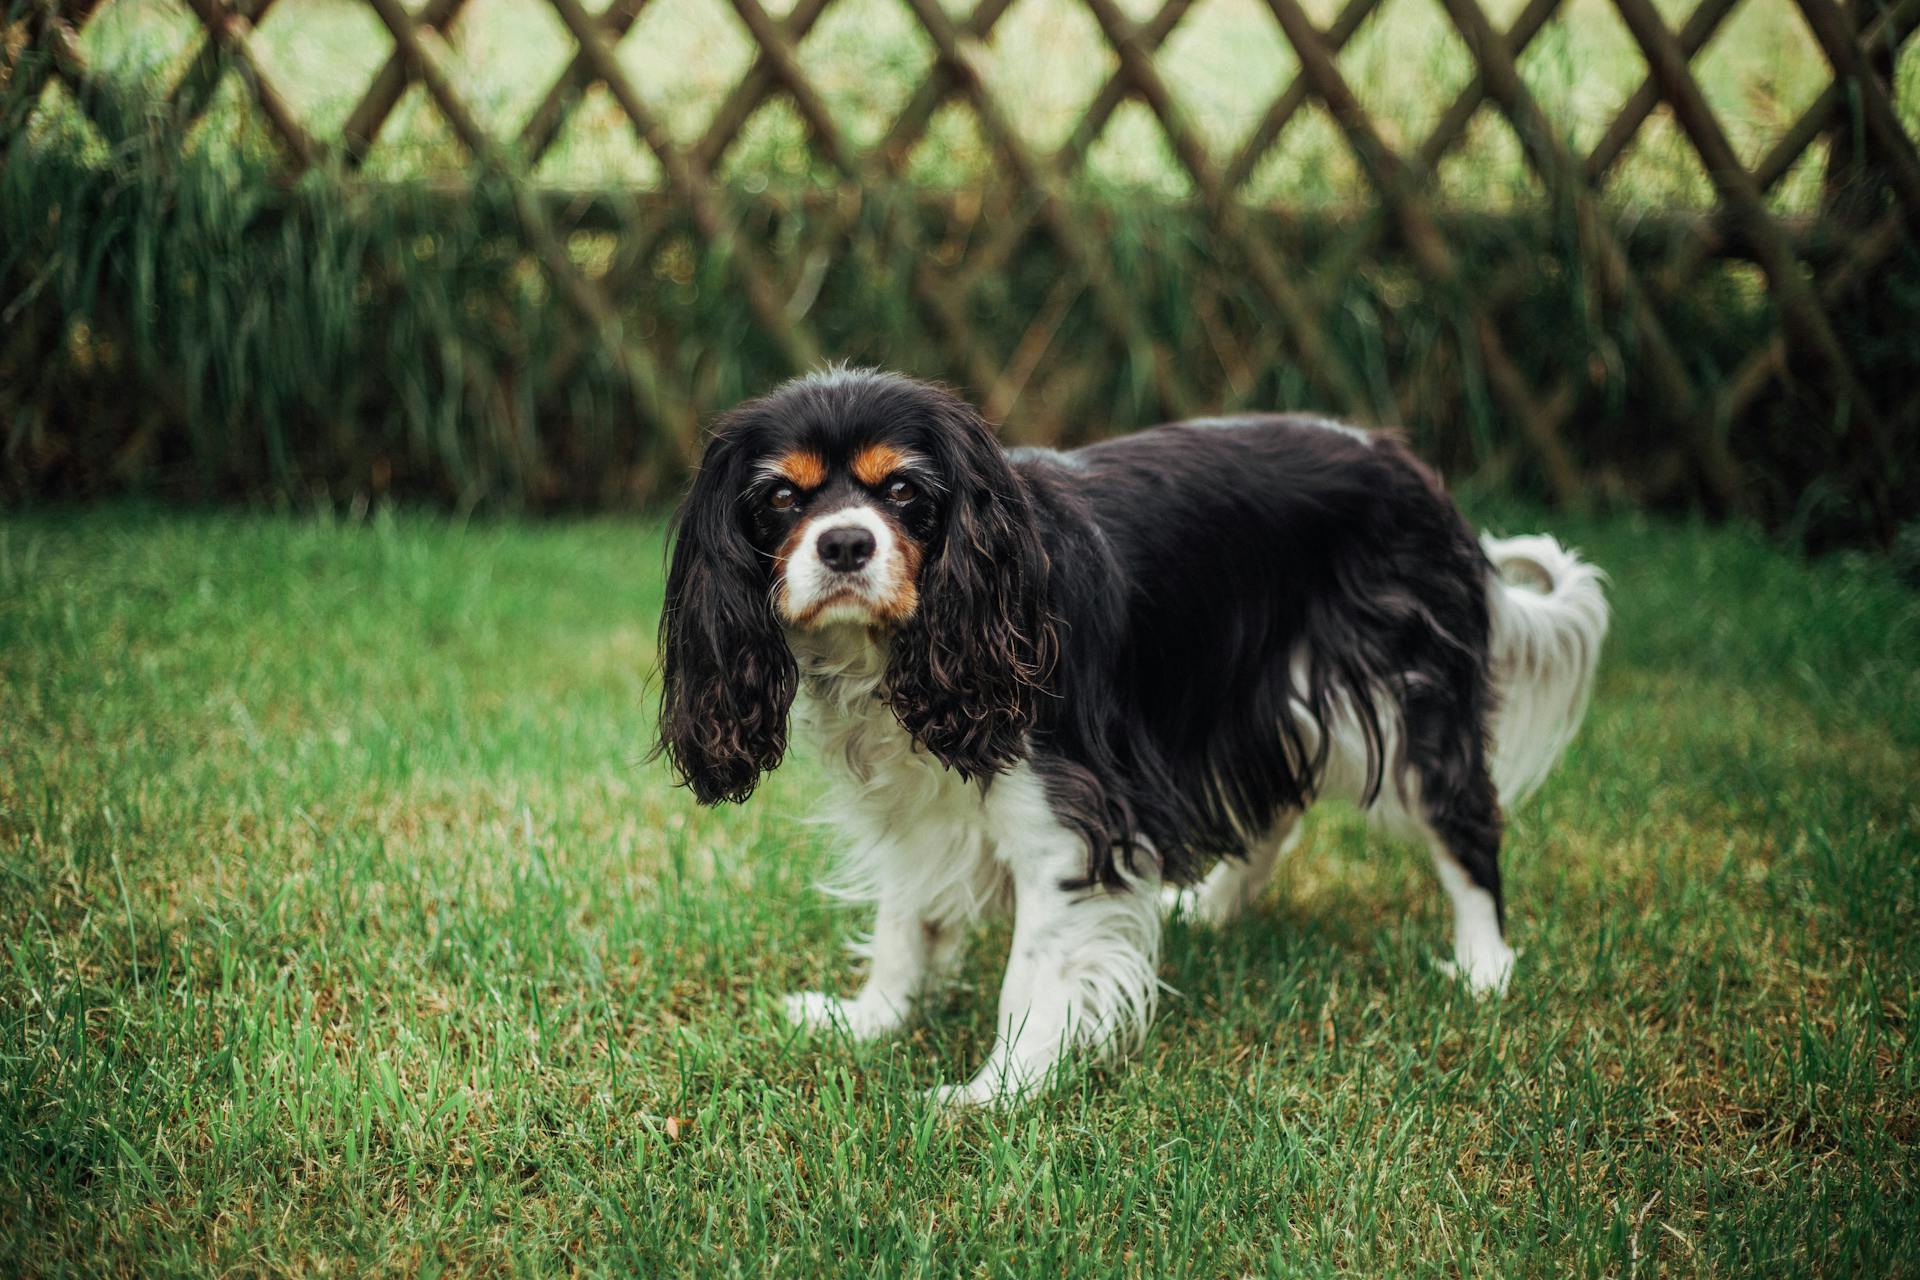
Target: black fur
<point x="968" y="671"/>
<point x="1204" y="557"/>
<point x="727" y="678"/>
<point x="1125" y="616"/>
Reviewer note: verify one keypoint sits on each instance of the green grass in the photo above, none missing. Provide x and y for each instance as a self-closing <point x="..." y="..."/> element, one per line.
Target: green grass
<point x="1045" y="61"/>
<point x="346" y="927"/>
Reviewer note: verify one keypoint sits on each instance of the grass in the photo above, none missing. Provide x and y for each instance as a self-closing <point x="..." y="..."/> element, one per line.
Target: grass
<point x="346" y="928"/>
<point x="1045" y="61"/>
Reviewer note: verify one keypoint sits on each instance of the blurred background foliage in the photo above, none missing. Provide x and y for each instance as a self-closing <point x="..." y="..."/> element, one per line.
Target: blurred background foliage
<point x="184" y="312"/>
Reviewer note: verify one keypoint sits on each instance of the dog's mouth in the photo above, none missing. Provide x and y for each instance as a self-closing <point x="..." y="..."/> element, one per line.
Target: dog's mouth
<point x="860" y="603"/>
<point x="846" y="603"/>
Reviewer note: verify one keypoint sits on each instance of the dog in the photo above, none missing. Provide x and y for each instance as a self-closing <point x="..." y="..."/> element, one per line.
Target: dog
<point x="1070" y="683"/>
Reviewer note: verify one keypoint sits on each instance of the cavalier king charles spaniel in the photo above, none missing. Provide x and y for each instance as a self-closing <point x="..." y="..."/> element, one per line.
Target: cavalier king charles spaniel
<point x="1072" y="683"/>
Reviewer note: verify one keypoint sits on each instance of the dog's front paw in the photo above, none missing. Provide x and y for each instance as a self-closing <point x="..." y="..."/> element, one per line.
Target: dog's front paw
<point x="1485" y="970"/>
<point x="957" y="1097"/>
<point x="811" y="1008"/>
<point x="998" y="1084"/>
<point x="862" y="1017"/>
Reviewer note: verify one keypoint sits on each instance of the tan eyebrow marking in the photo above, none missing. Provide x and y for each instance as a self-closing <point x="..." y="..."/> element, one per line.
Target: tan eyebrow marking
<point x="803" y="467"/>
<point x="876" y="462"/>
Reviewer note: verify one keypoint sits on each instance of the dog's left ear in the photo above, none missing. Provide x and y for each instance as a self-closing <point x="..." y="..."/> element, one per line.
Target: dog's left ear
<point x="969" y="669"/>
<point x="727" y="677"/>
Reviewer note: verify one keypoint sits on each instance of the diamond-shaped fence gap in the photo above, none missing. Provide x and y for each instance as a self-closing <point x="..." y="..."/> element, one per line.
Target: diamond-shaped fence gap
<point x="774" y="148"/>
<point x="1580" y="68"/>
<point x="502" y="57"/>
<point x="1226" y="61"/>
<point x="1404" y="66"/>
<point x="1762" y="68"/>
<point x="670" y="277"/>
<point x="683" y="56"/>
<point x="58" y="120"/>
<point x="1660" y="169"/>
<point x="592" y="252"/>
<point x="1799" y="192"/>
<point x="865" y="57"/>
<point x="1059" y="402"/>
<point x="1310" y="165"/>
<point x="1488" y="169"/>
<point x="1906" y="86"/>
<point x="1134" y="154"/>
<point x="140" y="42"/>
<point x="320" y="57"/>
<point x="952" y="151"/>
<point x="415" y="141"/>
<point x="1043" y="64"/>
<point x="231" y="129"/>
<point x="596" y="146"/>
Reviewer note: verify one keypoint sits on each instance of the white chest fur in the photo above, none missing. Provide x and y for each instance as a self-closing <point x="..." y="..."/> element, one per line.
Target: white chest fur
<point x="910" y="826"/>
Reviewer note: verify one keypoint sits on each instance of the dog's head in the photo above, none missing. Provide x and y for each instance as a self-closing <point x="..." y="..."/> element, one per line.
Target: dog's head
<point x="852" y="500"/>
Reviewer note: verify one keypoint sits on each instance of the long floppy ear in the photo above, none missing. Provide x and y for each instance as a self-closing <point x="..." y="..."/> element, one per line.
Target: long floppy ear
<point x="970" y="668"/>
<point x="727" y="676"/>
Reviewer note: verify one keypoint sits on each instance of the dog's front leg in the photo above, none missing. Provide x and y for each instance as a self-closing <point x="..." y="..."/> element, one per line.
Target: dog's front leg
<point x="1081" y="973"/>
<point x="910" y="950"/>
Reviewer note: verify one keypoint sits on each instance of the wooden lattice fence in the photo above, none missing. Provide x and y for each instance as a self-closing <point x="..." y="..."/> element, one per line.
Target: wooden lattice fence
<point x="1275" y="280"/>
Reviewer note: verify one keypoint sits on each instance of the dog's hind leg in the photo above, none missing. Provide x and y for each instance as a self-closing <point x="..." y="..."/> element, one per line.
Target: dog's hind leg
<point x="1462" y="826"/>
<point x="1233" y="885"/>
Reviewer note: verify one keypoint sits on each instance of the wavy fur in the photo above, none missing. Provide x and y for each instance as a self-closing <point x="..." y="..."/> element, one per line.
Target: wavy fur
<point x="1164" y="647"/>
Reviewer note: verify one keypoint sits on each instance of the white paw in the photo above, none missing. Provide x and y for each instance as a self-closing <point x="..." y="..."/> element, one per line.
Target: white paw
<point x="956" y="1096"/>
<point x="978" y="1092"/>
<point x="1202" y="904"/>
<point x="860" y="1018"/>
<point x="1485" y="970"/>
<point x="997" y="1084"/>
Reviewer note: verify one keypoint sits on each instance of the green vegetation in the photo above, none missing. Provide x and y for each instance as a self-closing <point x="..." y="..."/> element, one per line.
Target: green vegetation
<point x="345" y="925"/>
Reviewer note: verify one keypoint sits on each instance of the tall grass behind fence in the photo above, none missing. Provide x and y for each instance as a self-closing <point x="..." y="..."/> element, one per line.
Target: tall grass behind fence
<point x="232" y="266"/>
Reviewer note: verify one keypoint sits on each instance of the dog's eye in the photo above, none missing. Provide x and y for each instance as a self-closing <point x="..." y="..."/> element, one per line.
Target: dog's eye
<point x="782" y="498"/>
<point x="901" y="492"/>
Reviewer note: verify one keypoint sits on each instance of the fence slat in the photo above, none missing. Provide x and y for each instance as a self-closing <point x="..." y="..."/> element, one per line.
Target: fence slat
<point x="691" y="183"/>
<point x="389" y="82"/>
<point x="1836" y="35"/>
<point x="1031" y="173"/>
<point x="1694" y="34"/>
<point x="1736" y="187"/>
<point x="650" y="391"/>
<point x="233" y="31"/>
<point x="1294" y="96"/>
<point x="1303" y="328"/>
<point x="1567" y="180"/>
<point x="1397" y="185"/>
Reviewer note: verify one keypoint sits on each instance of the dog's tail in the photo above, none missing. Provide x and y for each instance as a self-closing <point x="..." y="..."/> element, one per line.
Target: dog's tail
<point x="1549" y="615"/>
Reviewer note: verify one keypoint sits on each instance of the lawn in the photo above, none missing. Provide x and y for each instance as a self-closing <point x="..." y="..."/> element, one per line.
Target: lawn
<point x="348" y="927"/>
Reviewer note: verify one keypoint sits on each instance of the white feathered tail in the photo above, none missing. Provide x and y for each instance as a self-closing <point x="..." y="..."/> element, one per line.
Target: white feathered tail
<point x="1549" y="614"/>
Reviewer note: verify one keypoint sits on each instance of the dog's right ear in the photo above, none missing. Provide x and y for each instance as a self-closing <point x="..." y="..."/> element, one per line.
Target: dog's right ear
<point x="727" y="677"/>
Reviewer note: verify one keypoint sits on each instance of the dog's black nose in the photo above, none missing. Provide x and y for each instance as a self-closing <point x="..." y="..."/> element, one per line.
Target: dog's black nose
<point x="844" y="550"/>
